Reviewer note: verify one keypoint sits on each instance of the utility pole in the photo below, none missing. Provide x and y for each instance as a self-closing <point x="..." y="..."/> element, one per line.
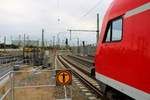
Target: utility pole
<point x="24" y="48"/>
<point x="24" y="40"/>
<point x="19" y="40"/>
<point x="70" y="34"/>
<point x="42" y="38"/>
<point x="78" y="51"/>
<point x="28" y="42"/>
<point x="4" y="43"/>
<point x="42" y="46"/>
<point x="58" y="40"/>
<point x="53" y="41"/>
<point x="97" y="35"/>
<point x="11" y="39"/>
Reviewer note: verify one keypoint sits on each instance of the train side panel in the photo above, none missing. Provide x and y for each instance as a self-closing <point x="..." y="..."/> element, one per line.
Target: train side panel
<point x="125" y="64"/>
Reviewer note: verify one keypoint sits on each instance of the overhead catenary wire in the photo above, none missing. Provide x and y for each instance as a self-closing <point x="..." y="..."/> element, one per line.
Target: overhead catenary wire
<point x="90" y="10"/>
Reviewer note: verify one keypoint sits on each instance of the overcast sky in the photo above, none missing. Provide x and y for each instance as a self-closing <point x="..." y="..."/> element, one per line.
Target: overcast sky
<point x="54" y="16"/>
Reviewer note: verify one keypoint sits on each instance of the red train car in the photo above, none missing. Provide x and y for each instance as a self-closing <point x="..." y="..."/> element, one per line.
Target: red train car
<point x="123" y="54"/>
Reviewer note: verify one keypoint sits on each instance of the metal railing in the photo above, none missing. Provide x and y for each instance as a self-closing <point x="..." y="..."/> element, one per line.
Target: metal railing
<point x="3" y="80"/>
<point x="18" y="83"/>
<point x="12" y="82"/>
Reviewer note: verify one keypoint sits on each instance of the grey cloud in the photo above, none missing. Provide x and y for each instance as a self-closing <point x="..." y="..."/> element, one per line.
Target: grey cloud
<point x="30" y="16"/>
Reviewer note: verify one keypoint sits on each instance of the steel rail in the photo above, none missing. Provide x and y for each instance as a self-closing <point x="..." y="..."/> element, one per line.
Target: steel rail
<point x="82" y="60"/>
<point x="87" y="83"/>
<point x="77" y="67"/>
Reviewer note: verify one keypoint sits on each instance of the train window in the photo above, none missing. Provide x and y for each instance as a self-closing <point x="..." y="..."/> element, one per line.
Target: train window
<point x="117" y="29"/>
<point x="114" y="30"/>
<point x="108" y="34"/>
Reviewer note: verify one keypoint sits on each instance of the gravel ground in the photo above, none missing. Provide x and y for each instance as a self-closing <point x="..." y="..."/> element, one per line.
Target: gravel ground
<point x="73" y="91"/>
<point x="77" y="94"/>
<point x="36" y="78"/>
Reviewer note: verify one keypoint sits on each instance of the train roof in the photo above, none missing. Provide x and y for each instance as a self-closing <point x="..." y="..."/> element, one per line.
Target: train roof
<point x="120" y="7"/>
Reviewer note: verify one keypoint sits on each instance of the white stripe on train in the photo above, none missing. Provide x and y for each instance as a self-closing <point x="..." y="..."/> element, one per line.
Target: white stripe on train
<point x="124" y="88"/>
<point x="138" y="10"/>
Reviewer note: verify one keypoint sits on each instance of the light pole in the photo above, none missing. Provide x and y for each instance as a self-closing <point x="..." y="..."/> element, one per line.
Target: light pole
<point x="96" y="31"/>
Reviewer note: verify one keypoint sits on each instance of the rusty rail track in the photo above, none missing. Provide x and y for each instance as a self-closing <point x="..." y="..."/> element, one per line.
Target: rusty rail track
<point x="88" y="84"/>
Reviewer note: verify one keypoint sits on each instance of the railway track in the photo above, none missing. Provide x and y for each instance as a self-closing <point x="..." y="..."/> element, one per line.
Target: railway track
<point x="85" y="67"/>
<point x="87" y="57"/>
<point x="86" y="80"/>
<point x="83" y="60"/>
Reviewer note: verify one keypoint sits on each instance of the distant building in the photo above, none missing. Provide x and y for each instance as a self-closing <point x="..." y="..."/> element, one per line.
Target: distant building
<point x="27" y="43"/>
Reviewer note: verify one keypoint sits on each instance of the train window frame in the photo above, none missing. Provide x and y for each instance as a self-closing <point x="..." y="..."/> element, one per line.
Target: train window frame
<point x="110" y="26"/>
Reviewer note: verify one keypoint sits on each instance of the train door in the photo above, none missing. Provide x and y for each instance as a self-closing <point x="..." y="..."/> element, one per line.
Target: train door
<point x="112" y="45"/>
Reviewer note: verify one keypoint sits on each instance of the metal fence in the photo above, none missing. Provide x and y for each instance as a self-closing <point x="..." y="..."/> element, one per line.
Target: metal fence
<point x="6" y="91"/>
<point x="30" y="85"/>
